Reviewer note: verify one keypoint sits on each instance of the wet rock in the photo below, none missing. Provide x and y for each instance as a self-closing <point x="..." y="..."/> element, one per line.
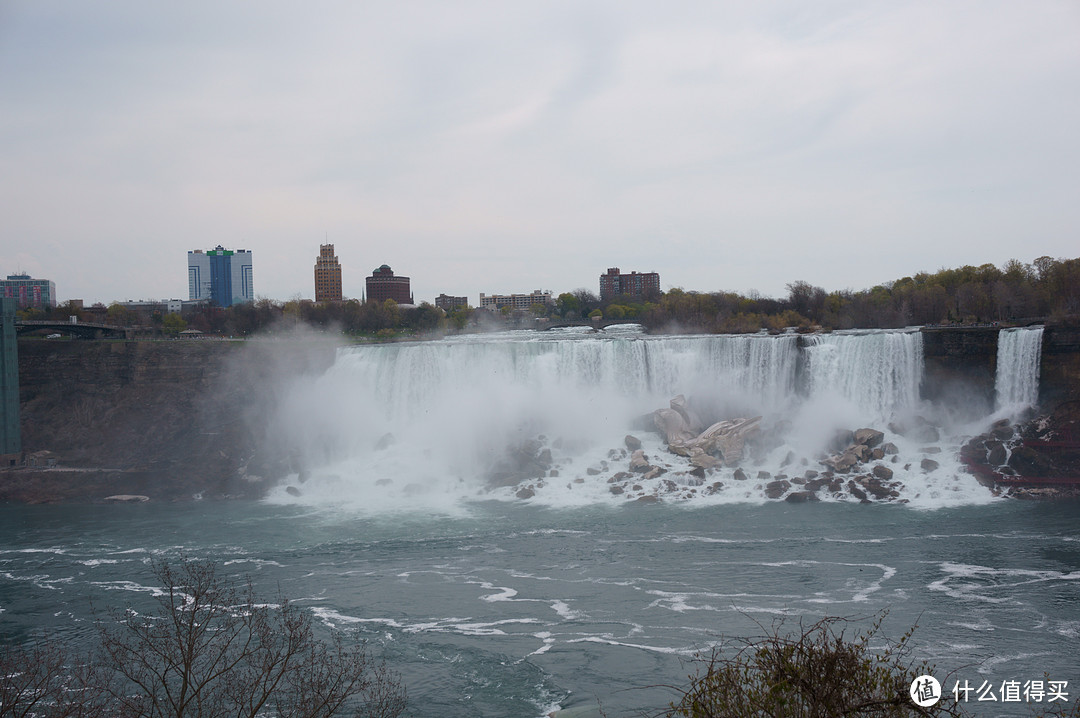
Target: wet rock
<point x="776" y="489"/>
<point x="554" y="473"/>
<point x="525" y="494"/>
<point x="698" y="472"/>
<point x="931" y="449"/>
<point x="810" y="474"/>
<point x="1003" y="433"/>
<point x="996" y="454"/>
<point x="593" y="471"/>
<point x="740" y="475"/>
<point x="842" y="439"/>
<point x="929" y="465"/>
<point x="579" y="480"/>
<point x="877" y="454"/>
<point x="788" y="459"/>
<point x="703" y="460"/>
<point x="654" y="472"/>
<point x="801" y="497"/>
<point x="882" y="472"/>
<point x="860" y="451"/>
<point x="868" y="437"/>
<point x="620" y="475"/>
<point x="292" y="491"/>
<point x="632" y="442"/>
<point x="857" y="492"/>
<point x="616" y="490"/>
<point x="764" y="475"/>
<point x="647" y="500"/>
<point x="1029" y="462"/>
<point x="639" y="463"/>
<point x="544" y="458"/>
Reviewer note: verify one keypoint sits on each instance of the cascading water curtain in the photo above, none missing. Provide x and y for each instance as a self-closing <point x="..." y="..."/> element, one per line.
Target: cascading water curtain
<point x="1018" y="357"/>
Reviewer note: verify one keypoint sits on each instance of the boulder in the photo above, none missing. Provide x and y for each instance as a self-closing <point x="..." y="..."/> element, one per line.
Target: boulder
<point x="673" y="427"/>
<point x="877" y="454"/>
<point x="525" y="493"/>
<point x="929" y="465"/>
<point x="801" y="497"/>
<point x="740" y="475"/>
<point x="653" y="472"/>
<point x="632" y="442"/>
<point x="692" y="420"/>
<point x="996" y="454"/>
<point x="776" y="489"/>
<point x="639" y="463"/>
<point x="868" y="437"/>
<point x="701" y="459"/>
<point x="292" y="491"/>
<point x="616" y="490"/>
<point x="882" y="472"/>
<point x="890" y="448"/>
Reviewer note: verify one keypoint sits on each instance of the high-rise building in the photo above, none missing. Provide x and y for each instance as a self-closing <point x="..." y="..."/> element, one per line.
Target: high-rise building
<point x="327" y="275"/>
<point x="221" y="275"/>
<point x="29" y="293"/>
<point x="383" y="285"/>
<point x="644" y="285"/>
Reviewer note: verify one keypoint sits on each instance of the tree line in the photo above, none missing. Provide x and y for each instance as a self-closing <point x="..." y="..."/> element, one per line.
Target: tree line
<point x="1044" y="289"/>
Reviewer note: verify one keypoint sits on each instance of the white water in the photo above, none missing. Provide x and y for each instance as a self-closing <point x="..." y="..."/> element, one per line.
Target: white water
<point x="878" y="372"/>
<point x="1018" y="357"/>
<point x="421" y="426"/>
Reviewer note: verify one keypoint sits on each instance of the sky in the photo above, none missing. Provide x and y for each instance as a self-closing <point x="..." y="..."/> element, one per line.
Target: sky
<point x="501" y="147"/>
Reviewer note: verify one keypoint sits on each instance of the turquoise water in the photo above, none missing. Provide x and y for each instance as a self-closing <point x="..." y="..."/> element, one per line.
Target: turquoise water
<point x="513" y="609"/>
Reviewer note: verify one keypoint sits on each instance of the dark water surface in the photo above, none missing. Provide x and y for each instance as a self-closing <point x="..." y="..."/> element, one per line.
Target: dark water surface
<point x="516" y="610"/>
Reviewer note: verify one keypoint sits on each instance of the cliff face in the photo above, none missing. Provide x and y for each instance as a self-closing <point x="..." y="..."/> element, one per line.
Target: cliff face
<point x="163" y="419"/>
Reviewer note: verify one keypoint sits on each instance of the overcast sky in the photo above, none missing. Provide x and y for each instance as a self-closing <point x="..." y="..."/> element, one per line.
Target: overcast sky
<point x="506" y="146"/>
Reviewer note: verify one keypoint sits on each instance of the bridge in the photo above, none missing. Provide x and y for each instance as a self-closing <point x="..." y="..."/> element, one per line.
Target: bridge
<point x="83" y="330"/>
<point x="602" y="324"/>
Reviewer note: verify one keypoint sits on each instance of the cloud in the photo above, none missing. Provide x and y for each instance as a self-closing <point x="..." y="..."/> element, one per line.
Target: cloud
<point x="501" y="147"/>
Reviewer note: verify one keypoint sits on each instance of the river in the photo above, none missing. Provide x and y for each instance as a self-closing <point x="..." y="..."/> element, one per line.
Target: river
<point x="578" y="599"/>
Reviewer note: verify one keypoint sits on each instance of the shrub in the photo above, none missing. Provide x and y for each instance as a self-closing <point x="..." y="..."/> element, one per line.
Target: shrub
<point x="814" y="671"/>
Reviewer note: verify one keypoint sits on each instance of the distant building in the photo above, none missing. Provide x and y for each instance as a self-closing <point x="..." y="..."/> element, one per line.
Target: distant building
<point x="221" y="275"/>
<point x="645" y="285"/>
<point x="29" y="293"/>
<point x="146" y="308"/>
<point x="383" y="285"/>
<point x="448" y="303"/>
<point x="515" y="301"/>
<point x="327" y="275"/>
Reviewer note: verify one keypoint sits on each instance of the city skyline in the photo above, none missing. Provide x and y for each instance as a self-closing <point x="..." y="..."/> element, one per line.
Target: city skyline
<point x="723" y="146"/>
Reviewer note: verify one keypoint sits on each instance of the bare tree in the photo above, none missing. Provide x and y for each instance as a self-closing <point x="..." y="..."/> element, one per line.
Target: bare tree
<point x="213" y="649"/>
<point x="210" y="649"/>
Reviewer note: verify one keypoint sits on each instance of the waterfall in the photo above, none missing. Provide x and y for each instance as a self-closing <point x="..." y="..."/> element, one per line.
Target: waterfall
<point x="1018" y="357"/>
<point x="878" y="372"/>
<point x="430" y="426"/>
